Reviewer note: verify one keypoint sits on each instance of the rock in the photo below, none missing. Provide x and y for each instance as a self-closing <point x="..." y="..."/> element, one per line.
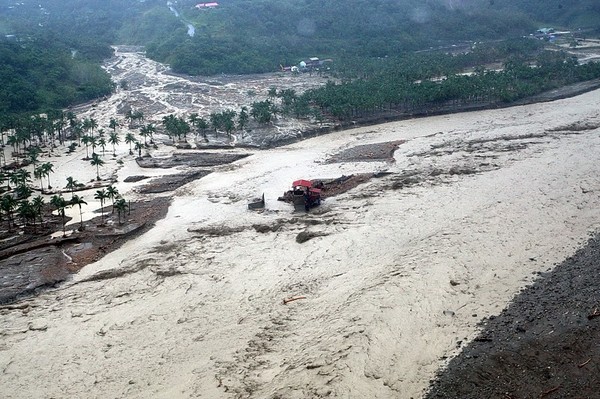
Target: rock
<point x="448" y="313"/>
<point x="307" y="235"/>
<point x="37" y="326"/>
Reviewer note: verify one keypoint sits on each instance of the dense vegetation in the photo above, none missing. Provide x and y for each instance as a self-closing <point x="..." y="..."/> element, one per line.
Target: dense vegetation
<point x="421" y="84"/>
<point x="50" y="51"/>
<point x="38" y="74"/>
<point x="243" y="36"/>
<point x="399" y="86"/>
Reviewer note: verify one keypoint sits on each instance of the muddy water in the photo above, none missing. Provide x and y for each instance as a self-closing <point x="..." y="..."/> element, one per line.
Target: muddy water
<point x="396" y="279"/>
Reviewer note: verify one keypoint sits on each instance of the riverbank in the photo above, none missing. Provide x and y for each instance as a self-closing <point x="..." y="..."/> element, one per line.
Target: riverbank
<point x="543" y="345"/>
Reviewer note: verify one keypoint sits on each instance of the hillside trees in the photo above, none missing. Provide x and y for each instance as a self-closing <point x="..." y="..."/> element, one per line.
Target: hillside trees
<point x="391" y="89"/>
<point x="43" y="75"/>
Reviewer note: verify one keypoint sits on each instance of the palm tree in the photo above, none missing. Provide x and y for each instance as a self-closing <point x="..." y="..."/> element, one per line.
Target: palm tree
<point x="121" y="206"/>
<point x="215" y="121"/>
<point x="8" y="205"/>
<point x="78" y="131"/>
<point x="23" y="191"/>
<point x="262" y="111"/>
<point x="170" y="122"/>
<point x="150" y="129"/>
<point x="38" y="206"/>
<point x="22" y="176"/>
<point x="193" y="118"/>
<point x="129" y="116"/>
<point x="60" y="204"/>
<point x="243" y="119"/>
<point x="13" y="142"/>
<point x="112" y="193"/>
<point x="145" y="132"/>
<point x="183" y="128"/>
<point x="130" y="139"/>
<point x="113" y="124"/>
<point x="101" y="195"/>
<point x="138" y="116"/>
<point x="26" y="211"/>
<point x="272" y="93"/>
<point x="33" y="154"/>
<point x="139" y="146"/>
<point x="86" y="124"/>
<point x="77" y="200"/>
<point x="97" y="162"/>
<point x="86" y="140"/>
<point x="72" y="184"/>
<point x="72" y="118"/>
<point x="93" y="143"/>
<point x="3" y="178"/>
<point x="113" y="139"/>
<point x="93" y="125"/>
<point x="14" y="179"/>
<point x="228" y="123"/>
<point x="38" y="173"/>
<point x="202" y="124"/>
<point x="102" y="144"/>
<point x="47" y="168"/>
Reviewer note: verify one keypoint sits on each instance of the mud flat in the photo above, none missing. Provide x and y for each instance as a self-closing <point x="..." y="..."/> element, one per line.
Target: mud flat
<point x="43" y="263"/>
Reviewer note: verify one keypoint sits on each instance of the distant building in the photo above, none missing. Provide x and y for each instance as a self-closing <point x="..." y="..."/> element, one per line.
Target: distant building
<point x="308" y="65"/>
<point x="202" y="6"/>
<point x="545" y="31"/>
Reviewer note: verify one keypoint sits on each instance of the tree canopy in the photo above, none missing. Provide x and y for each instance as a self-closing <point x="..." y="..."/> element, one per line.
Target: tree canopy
<point x="50" y="51"/>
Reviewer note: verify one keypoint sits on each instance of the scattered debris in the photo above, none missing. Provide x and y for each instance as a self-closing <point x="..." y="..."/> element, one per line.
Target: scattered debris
<point x="257" y="203"/>
<point x="584" y="363"/>
<point x="308" y="235"/>
<point x="548" y="392"/>
<point x="448" y="313"/>
<point x="292" y="299"/>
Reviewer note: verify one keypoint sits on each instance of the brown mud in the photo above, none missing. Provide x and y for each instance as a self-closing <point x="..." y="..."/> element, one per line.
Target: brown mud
<point x="42" y="262"/>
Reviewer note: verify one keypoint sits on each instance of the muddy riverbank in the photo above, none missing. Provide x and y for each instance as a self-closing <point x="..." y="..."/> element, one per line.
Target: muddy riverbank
<point x="543" y="345"/>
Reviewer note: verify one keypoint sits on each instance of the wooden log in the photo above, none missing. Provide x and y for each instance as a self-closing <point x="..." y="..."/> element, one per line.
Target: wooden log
<point x="292" y="299"/>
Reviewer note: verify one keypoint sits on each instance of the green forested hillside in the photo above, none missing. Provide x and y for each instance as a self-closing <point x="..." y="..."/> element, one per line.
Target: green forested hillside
<point x="38" y="74"/>
<point x="241" y="36"/>
<point x="256" y="36"/>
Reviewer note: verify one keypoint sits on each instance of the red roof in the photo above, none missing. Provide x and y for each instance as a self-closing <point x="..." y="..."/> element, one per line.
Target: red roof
<point x="302" y="183"/>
